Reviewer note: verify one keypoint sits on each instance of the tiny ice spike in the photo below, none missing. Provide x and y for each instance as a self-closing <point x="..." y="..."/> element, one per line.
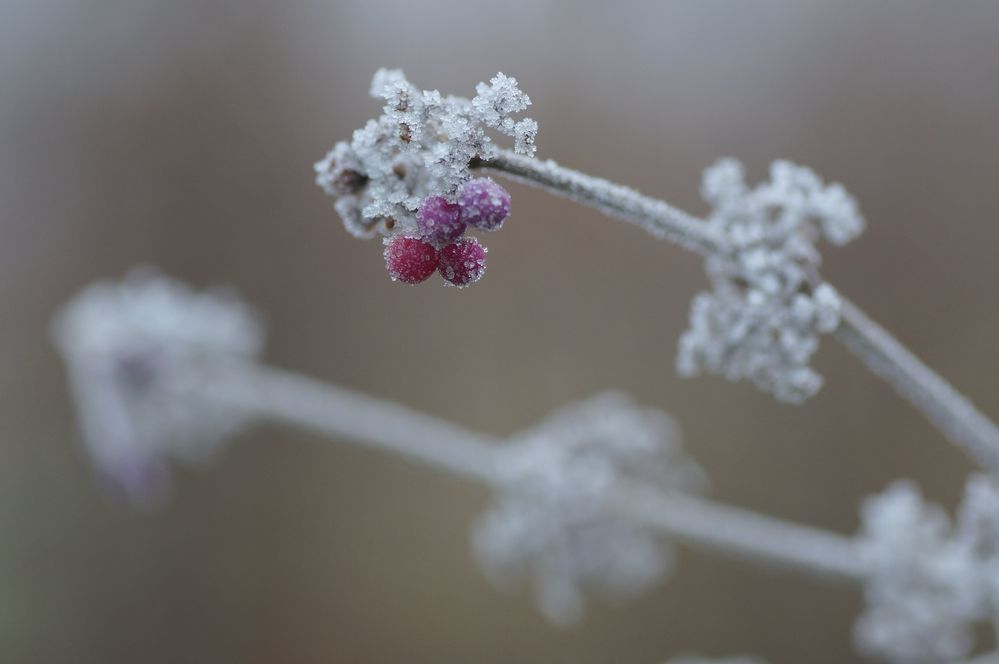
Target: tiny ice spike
<point x="763" y="317"/>
<point x="463" y="263"/>
<point x="420" y="150"/>
<point x="484" y="204"/>
<point x="130" y="347"/>
<point x="549" y="519"/>
<point x="409" y="259"/>
<point x="929" y="583"/>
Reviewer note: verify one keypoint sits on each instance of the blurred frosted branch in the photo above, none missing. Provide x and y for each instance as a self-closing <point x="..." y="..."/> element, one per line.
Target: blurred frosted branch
<point x="952" y="413"/>
<point x="339" y="413"/>
<point x="738" y="532"/>
<point x="590" y="500"/>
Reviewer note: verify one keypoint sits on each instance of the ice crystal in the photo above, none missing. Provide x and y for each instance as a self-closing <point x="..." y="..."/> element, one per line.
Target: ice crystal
<point x="929" y="582"/>
<point x="762" y="319"/>
<point x="420" y="146"/>
<point x="130" y="347"/>
<point x="549" y="520"/>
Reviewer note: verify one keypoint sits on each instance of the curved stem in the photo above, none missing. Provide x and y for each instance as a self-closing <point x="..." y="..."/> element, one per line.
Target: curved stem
<point x="655" y="216"/>
<point x="339" y="413"/>
<point x="946" y="408"/>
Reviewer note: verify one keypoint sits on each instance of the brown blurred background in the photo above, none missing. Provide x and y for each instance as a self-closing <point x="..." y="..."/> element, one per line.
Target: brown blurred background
<point x="182" y="132"/>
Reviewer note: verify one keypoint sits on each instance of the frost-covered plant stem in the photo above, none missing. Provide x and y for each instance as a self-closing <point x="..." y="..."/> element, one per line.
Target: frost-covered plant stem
<point x="340" y="413"/>
<point x="735" y="531"/>
<point x="949" y="410"/>
<point x="657" y="217"/>
<point x="946" y="408"/>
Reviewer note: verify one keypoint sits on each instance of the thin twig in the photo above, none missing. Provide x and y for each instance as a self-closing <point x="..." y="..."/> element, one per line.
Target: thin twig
<point x="655" y="216"/>
<point x="946" y="408"/>
<point x="339" y="413"/>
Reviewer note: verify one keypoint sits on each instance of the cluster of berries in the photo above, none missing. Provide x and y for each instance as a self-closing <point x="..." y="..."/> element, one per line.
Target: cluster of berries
<point x="440" y="247"/>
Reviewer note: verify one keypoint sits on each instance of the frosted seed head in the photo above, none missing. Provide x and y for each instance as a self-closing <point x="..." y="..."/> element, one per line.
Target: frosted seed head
<point x="925" y="588"/>
<point x="131" y="347"/>
<point x="418" y="148"/>
<point x="762" y="321"/>
<point x="549" y="522"/>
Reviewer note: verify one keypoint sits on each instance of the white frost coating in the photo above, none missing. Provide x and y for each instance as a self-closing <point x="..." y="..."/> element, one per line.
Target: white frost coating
<point x="929" y="583"/>
<point x="420" y="146"/>
<point x="550" y="519"/>
<point x="762" y="319"/>
<point x="128" y="345"/>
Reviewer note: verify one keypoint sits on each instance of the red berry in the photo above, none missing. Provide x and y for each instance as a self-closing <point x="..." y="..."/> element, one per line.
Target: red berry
<point x="439" y="221"/>
<point x="463" y="262"/>
<point x="410" y="260"/>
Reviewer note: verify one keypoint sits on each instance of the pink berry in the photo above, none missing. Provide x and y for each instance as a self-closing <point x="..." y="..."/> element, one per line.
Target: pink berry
<point x="410" y="260"/>
<point x="484" y="204"/>
<point x="439" y="221"/>
<point x="463" y="262"/>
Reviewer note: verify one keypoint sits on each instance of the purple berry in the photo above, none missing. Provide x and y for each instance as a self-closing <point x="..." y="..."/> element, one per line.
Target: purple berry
<point x="463" y="262"/>
<point x="440" y="222"/>
<point x="484" y="204"/>
<point x="409" y="259"/>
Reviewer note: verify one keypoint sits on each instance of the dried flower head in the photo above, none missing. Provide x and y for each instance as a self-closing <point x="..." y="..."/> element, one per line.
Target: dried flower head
<point x="929" y="583"/>
<point x="762" y="319"/>
<point x="550" y="520"/>
<point x="130" y="348"/>
<point x="420" y="146"/>
<point x="418" y="153"/>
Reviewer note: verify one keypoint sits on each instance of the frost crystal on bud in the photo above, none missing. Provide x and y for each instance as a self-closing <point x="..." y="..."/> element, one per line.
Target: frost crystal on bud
<point x="549" y="520"/>
<point x="929" y="582"/>
<point x="762" y="319"/>
<point x="419" y="147"/>
<point x="130" y="348"/>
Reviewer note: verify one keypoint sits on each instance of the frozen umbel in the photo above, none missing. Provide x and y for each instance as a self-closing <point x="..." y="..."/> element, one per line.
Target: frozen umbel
<point x="591" y="499"/>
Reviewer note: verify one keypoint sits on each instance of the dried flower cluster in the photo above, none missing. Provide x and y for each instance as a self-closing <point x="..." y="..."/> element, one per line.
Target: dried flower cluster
<point x="766" y="309"/>
<point x="551" y="521"/>
<point x="930" y="581"/>
<point x="130" y="346"/>
<point x="408" y="172"/>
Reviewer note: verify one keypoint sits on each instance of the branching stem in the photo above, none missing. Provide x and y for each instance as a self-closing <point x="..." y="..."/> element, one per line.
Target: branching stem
<point x="342" y="414"/>
<point x="946" y="408"/>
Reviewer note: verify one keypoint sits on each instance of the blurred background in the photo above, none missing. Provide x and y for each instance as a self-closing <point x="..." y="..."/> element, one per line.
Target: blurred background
<point x="182" y="133"/>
